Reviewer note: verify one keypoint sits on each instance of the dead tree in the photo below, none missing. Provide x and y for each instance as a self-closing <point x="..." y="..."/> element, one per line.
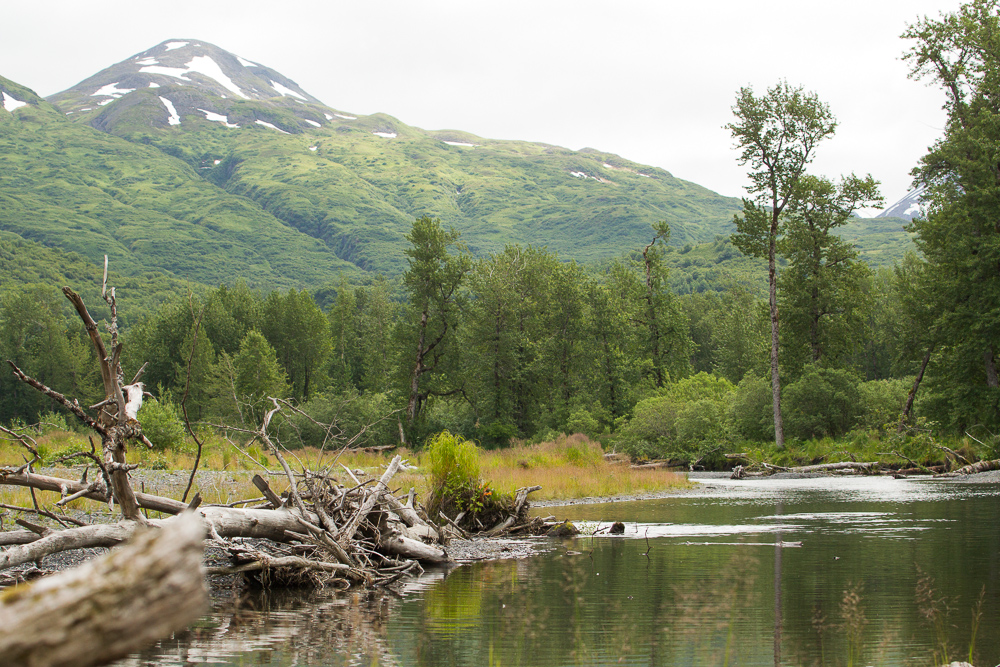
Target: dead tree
<point x="355" y="532"/>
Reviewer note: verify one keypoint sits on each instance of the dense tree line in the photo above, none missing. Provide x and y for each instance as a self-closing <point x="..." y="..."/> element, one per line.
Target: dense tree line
<point x="517" y="344"/>
<point x="522" y="344"/>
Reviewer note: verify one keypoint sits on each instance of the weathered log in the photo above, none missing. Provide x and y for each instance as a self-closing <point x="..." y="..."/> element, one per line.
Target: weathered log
<point x="400" y="545"/>
<point x="69" y="486"/>
<point x="979" y="466"/>
<point x="110" y="606"/>
<point x="843" y="465"/>
<point x="17" y="537"/>
<point x="519" y="500"/>
<point x="351" y="527"/>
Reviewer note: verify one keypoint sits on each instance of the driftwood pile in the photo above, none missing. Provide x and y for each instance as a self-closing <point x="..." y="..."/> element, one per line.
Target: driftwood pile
<point x="323" y="530"/>
<point x="329" y="527"/>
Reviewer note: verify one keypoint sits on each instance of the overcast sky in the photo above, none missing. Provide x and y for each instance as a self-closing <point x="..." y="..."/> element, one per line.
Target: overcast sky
<point x="653" y="81"/>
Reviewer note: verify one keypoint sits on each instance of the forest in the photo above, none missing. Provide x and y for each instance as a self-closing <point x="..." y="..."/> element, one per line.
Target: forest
<point x="522" y="345"/>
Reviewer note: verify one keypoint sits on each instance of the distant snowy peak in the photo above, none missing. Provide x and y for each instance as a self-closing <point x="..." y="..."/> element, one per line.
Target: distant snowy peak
<point x="908" y="207"/>
<point x="188" y="63"/>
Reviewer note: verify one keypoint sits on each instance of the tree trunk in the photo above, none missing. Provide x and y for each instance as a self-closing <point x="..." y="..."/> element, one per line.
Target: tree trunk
<point x="108" y="607"/>
<point x="913" y="391"/>
<point x="772" y="281"/>
<point x="992" y="380"/>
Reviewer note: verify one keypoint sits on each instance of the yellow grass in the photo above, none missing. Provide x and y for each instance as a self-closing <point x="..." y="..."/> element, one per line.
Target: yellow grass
<point x="570" y="467"/>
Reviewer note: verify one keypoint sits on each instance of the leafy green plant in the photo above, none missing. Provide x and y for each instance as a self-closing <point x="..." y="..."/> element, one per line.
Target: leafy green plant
<point x="161" y="423"/>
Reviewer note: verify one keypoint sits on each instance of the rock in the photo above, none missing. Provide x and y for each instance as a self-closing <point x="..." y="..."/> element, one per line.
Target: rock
<point x="564" y="529"/>
<point x="617" y="528"/>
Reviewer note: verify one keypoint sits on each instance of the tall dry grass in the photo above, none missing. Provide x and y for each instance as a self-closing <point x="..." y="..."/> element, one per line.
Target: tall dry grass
<point x="568" y="467"/>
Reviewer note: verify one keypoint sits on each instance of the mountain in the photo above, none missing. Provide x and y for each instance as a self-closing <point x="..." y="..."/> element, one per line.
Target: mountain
<point x="906" y="208"/>
<point x="197" y="164"/>
<point x="356" y="182"/>
<point x="69" y="186"/>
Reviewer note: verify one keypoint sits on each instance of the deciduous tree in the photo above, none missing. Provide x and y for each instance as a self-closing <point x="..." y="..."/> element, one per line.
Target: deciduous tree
<point x="777" y="134"/>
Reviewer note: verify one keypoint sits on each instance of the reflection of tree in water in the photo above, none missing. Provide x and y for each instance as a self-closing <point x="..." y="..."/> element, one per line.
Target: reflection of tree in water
<point x="283" y="627"/>
<point x="704" y="619"/>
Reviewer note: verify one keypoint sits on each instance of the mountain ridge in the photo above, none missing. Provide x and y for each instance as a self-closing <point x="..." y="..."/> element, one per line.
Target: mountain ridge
<point x="223" y="151"/>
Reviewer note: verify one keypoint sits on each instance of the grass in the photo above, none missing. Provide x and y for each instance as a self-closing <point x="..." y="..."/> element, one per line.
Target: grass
<point x="569" y="467"/>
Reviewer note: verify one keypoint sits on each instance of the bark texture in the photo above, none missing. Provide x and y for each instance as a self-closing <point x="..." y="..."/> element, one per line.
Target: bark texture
<point x="110" y="606"/>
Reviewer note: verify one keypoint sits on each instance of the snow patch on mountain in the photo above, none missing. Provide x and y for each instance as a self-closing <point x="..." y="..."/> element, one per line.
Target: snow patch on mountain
<point x="312" y="122"/>
<point x="909" y="207"/>
<point x="462" y="144"/>
<point x="340" y="115"/>
<point x="273" y="127"/>
<point x="111" y="90"/>
<point x="203" y="65"/>
<point x="217" y="118"/>
<point x="247" y="63"/>
<point x="175" y="45"/>
<point x="174" y="118"/>
<point x="284" y="90"/>
<point x="386" y="135"/>
<point x="12" y="103"/>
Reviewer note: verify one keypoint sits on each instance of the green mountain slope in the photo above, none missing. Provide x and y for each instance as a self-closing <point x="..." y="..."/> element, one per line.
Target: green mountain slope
<point x="191" y="162"/>
<point x="356" y="183"/>
<point x="67" y="185"/>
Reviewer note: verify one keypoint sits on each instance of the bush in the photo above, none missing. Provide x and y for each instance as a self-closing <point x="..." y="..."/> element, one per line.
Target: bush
<point x="350" y="412"/>
<point x="751" y="413"/>
<point x="882" y="402"/>
<point x="582" y="421"/>
<point x="823" y="402"/>
<point x="453" y="464"/>
<point x="161" y="423"/>
<point x="689" y="415"/>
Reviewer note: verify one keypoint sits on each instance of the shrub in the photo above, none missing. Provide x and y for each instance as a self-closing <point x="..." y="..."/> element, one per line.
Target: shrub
<point x="349" y="412"/>
<point x="822" y="402"/>
<point x="582" y="421"/>
<point x="882" y="402"/>
<point x="687" y="416"/>
<point x="751" y="413"/>
<point x="453" y="464"/>
<point x="161" y="423"/>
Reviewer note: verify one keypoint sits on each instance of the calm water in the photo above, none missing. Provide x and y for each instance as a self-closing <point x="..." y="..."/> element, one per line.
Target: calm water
<point x="867" y="571"/>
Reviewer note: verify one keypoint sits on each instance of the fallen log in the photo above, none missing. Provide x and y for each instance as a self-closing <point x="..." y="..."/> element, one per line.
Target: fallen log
<point x="843" y="465"/>
<point x="110" y="606"/>
<point x="69" y="486"/>
<point x="971" y="469"/>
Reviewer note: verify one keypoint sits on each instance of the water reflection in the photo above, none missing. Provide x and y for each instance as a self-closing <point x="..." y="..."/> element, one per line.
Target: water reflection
<point x="803" y="573"/>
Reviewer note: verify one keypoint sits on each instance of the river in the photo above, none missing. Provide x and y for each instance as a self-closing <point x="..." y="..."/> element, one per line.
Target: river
<point x="818" y="571"/>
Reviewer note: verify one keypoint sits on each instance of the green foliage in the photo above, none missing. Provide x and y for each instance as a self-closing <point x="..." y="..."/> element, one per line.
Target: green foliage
<point x="820" y="293"/>
<point x="453" y="464"/>
<point x="959" y="237"/>
<point x="346" y="415"/>
<point x="162" y="424"/>
<point x="583" y="421"/>
<point x="751" y="413"/>
<point x="823" y="402"/>
<point x="685" y="418"/>
<point x="881" y="402"/>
